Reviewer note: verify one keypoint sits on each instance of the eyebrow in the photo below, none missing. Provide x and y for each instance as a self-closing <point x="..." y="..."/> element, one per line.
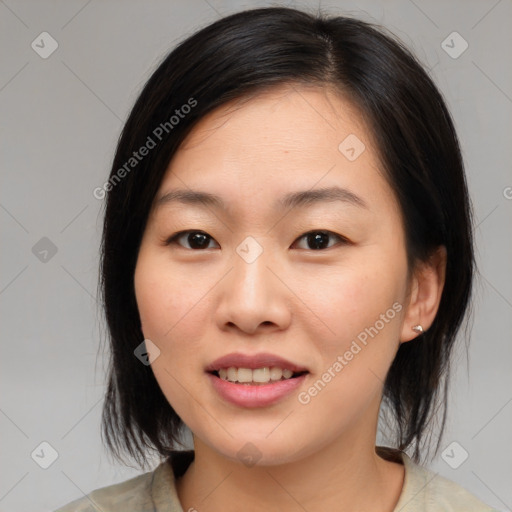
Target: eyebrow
<point x="302" y="198"/>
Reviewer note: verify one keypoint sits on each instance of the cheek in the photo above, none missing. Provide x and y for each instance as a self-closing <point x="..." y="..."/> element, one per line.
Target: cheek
<point x="362" y="306"/>
<point x="347" y="299"/>
<point x="167" y="300"/>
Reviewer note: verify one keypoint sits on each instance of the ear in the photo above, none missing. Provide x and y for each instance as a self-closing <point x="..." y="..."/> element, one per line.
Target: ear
<point x="426" y="287"/>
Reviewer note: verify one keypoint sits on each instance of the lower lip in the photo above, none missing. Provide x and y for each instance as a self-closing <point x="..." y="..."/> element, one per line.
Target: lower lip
<point x="260" y="395"/>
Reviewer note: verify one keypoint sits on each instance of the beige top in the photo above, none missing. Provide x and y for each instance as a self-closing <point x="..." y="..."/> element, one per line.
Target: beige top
<point x="155" y="491"/>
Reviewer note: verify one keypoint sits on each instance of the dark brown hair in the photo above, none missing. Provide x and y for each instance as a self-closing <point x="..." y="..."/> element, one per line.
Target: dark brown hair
<point x="241" y="55"/>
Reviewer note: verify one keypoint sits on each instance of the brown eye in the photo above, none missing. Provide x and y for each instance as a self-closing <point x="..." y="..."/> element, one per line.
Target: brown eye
<point x="318" y="240"/>
<point x="194" y="240"/>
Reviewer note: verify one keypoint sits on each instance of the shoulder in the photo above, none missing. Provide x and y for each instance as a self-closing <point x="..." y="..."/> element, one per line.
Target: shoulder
<point x="137" y="494"/>
<point x="427" y="491"/>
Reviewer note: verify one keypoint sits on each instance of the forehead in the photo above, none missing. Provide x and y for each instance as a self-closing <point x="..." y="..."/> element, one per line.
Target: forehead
<point x="287" y="138"/>
<point x="282" y="118"/>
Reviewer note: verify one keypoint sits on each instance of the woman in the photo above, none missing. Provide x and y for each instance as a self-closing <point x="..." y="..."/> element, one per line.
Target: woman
<point x="287" y="247"/>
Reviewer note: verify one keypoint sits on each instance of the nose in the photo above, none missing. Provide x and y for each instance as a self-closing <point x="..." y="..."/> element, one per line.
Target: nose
<point x="253" y="297"/>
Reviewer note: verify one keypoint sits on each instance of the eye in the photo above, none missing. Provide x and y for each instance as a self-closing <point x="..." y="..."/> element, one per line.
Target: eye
<point x="318" y="240"/>
<point x="195" y="240"/>
<point x="199" y="240"/>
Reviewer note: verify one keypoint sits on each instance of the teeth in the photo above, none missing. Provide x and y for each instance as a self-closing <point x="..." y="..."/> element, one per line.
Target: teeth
<point x="232" y="374"/>
<point x="276" y="373"/>
<point x="258" y="375"/>
<point x="244" y="375"/>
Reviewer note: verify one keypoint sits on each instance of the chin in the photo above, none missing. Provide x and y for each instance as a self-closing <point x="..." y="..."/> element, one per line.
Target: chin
<point x="252" y="450"/>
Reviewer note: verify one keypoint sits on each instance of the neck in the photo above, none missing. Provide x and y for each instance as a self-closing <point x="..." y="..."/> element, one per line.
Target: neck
<point x="346" y="475"/>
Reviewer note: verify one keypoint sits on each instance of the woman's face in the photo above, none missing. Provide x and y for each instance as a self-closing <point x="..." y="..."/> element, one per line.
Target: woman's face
<point x="248" y="281"/>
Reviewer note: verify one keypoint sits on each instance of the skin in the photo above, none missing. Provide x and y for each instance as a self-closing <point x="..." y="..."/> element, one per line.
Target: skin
<point x="302" y="304"/>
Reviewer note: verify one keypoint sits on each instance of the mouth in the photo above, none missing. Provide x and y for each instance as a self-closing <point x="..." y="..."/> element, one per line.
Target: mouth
<point x="257" y="369"/>
<point x="252" y="381"/>
<point x="256" y="376"/>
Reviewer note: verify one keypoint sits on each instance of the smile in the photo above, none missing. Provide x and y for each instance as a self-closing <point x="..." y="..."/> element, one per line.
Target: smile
<point x="257" y="376"/>
<point x="255" y="394"/>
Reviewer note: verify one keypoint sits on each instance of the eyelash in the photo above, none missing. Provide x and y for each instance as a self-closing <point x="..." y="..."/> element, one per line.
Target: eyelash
<point x="173" y="239"/>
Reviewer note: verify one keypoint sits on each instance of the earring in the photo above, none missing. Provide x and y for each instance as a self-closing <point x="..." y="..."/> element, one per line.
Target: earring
<point x="417" y="328"/>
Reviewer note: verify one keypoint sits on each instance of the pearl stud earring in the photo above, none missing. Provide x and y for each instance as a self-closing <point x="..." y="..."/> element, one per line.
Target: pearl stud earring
<point x="417" y="328"/>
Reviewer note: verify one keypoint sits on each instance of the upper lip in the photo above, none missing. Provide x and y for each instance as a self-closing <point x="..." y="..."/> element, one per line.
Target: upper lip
<point x="253" y="361"/>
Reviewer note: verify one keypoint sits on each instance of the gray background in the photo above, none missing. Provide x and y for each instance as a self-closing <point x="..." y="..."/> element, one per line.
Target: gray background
<point x="61" y="118"/>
